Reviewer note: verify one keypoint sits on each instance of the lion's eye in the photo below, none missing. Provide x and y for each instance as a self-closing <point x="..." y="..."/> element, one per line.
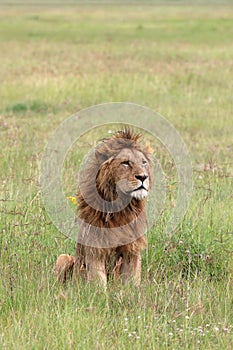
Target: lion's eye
<point x="126" y="163"/>
<point x="144" y="162"/>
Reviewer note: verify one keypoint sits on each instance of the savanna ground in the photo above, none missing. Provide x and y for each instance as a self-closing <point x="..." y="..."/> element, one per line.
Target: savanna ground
<point x="177" y="60"/>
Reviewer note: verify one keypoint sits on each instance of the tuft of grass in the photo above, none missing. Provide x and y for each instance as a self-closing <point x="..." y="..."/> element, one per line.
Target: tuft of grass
<point x="17" y="107"/>
<point x="35" y="106"/>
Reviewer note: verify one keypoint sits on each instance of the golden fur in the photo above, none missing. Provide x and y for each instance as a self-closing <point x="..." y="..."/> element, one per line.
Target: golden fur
<point x="113" y="187"/>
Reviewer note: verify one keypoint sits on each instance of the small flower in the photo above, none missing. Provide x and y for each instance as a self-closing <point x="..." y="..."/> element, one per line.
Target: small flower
<point x="73" y="199"/>
<point x="226" y="330"/>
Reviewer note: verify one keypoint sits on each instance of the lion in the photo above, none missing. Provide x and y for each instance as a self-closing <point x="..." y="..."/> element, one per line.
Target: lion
<point x="113" y="188"/>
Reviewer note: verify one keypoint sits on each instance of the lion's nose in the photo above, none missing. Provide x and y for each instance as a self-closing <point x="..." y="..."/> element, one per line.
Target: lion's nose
<point x="141" y="177"/>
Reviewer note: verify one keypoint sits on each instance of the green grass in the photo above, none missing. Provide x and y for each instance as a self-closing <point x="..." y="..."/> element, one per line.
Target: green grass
<point x="56" y="61"/>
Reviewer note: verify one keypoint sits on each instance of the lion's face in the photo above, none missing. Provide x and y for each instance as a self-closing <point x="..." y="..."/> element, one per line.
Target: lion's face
<point x="129" y="172"/>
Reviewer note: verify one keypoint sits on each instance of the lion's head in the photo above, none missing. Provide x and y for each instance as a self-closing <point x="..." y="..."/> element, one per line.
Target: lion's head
<point x="126" y="173"/>
<point x="120" y="167"/>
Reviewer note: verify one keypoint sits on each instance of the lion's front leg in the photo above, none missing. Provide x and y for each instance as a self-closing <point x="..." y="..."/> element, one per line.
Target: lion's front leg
<point x="96" y="270"/>
<point x="131" y="268"/>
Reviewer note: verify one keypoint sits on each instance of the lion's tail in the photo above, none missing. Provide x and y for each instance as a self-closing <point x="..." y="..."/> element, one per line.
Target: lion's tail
<point x="64" y="267"/>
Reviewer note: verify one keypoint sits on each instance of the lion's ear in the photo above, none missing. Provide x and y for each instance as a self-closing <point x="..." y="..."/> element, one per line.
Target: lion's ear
<point x="100" y="156"/>
<point x="108" y="161"/>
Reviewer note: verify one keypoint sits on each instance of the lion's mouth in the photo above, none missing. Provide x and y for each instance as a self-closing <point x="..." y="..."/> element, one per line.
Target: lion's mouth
<point x="140" y="188"/>
<point x="139" y="193"/>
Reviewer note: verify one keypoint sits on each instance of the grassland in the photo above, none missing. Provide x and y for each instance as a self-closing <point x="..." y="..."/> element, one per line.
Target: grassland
<point x="57" y="60"/>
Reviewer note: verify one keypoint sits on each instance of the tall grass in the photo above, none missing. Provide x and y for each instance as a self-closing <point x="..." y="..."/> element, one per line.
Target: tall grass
<point x="56" y="61"/>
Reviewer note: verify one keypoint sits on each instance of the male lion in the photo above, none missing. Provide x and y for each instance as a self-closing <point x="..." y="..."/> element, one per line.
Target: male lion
<point x="113" y="188"/>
